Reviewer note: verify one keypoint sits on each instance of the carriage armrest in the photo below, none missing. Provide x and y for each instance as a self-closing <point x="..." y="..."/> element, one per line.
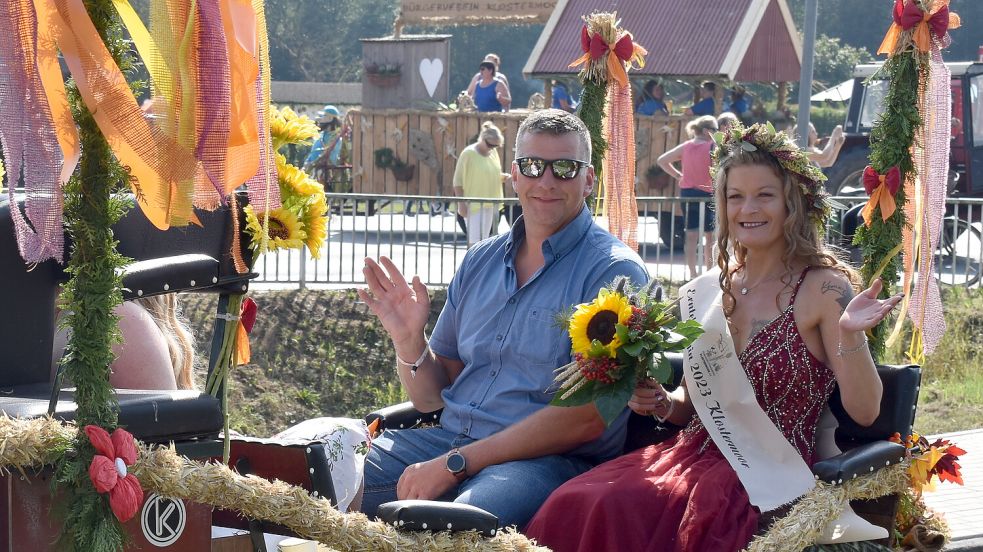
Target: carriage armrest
<point x="431" y="515"/>
<point x="168" y="275"/>
<point x="402" y="416"/>
<point x="859" y="461"/>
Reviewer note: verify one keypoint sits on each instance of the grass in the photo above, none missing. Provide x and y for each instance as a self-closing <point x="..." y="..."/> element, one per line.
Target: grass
<point x="951" y="397"/>
<point x="321" y="353"/>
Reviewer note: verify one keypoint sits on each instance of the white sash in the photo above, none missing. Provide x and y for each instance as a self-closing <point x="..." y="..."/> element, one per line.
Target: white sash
<point x="769" y="467"/>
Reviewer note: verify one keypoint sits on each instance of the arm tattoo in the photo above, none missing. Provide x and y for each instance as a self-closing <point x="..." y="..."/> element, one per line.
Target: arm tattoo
<point x="845" y="293"/>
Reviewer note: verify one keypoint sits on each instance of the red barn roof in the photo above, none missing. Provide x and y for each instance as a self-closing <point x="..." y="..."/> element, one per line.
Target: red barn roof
<point x="743" y="40"/>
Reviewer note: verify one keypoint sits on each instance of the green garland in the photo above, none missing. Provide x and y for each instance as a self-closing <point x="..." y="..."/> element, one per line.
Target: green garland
<point x="890" y="145"/>
<point x="591" y="112"/>
<point x="92" y="206"/>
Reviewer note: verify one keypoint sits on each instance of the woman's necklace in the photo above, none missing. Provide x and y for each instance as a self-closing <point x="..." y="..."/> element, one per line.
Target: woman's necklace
<point x="745" y="289"/>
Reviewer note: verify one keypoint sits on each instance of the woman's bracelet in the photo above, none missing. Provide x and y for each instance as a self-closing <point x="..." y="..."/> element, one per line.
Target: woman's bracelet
<point x="662" y="419"/>
<point x="840" y="351"/>
<point x="415" y="365"/>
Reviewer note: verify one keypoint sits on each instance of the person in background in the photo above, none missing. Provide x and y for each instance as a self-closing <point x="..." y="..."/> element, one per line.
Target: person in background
<point x="490" y="94"/>
<point x="330" y="146"/>
<point x="652" y="101"/>
<point x="491" y="357"/>
<point x="725" y="120"/>
<point x="478" y="173"/>
<point x="694" y="182"/>
<point x="561" y="97"/>
<point x="737" y="103"/>
<point x="826" y="156"/>
<point x="706" y="105"/>
<point x="157" y="350"/>
<point x="493" y="58"/>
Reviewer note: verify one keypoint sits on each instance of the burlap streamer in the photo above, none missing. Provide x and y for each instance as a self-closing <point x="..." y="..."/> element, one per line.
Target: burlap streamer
<point x="619" y="164"/>
<point x="28" y="132"/>
<point x="933" y="166"/>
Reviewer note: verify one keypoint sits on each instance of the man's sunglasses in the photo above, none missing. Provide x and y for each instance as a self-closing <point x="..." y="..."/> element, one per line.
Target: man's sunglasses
<point x="563" y="169"/>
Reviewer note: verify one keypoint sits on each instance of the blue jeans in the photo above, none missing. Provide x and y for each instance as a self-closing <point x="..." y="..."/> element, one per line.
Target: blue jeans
<point x="513" y="491"/>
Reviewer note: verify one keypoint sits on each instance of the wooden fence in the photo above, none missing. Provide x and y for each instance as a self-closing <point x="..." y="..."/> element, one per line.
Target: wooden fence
<point x="432" y="140"/>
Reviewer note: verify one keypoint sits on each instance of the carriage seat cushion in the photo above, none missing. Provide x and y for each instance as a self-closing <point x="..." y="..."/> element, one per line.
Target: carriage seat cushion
<point x="169" y="275"/>
<point x="432" y="515"/>
<point x="897" y="413"/>
<point x="151" y="416"/>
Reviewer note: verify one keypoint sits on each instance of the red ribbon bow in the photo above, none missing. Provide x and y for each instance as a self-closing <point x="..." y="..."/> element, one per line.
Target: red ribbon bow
<point x="247" y="317"/>
<point x="910" y="15"/>
<point x="881" y="188"/>
<point x="108" y="471"/>
<point x="624" y="50"/>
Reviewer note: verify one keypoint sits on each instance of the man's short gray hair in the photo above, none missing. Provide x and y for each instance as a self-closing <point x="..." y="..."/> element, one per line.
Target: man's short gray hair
<point x="555" y="122"/>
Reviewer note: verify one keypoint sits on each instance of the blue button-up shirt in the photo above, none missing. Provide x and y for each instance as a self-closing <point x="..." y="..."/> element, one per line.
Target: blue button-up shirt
<point x="508" y="337"/>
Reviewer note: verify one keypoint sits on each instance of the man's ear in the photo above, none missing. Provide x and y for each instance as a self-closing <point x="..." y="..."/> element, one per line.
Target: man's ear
<point x="591" y="180"/>
<point x="514" y="173"/>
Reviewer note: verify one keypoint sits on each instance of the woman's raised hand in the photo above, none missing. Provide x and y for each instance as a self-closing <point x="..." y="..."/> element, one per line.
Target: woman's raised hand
<point x="866" y="311"/>
<point x="403" y="310"/>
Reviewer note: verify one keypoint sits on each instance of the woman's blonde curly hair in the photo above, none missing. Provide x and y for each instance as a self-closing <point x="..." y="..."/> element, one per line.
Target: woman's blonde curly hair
<point x="803" y="236"/>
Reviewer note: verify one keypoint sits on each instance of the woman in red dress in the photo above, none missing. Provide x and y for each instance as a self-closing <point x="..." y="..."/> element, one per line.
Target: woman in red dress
<point x="797" y="329"/>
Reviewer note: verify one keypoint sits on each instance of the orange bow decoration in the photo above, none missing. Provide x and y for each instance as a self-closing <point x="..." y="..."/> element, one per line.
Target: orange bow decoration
<point x="881" y="189"/>
<point x="625" y="52"/>
<point x="247" y="317"/>
<point x="907" y="15"/>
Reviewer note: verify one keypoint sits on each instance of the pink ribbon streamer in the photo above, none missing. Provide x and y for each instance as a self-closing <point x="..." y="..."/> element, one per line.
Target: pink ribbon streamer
<point x="619" y="165"/>
<point x="213" y="101"/>
<point x="933" y="167"/>
<point x="28" y="135"/>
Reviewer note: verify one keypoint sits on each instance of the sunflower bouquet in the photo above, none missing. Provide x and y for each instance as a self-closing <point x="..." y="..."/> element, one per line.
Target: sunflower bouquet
<point x="617" y="340"/>
<point x="301" y="219"/>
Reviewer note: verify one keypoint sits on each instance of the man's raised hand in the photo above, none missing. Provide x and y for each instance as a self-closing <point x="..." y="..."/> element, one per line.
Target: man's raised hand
<point x="402" y="309"/>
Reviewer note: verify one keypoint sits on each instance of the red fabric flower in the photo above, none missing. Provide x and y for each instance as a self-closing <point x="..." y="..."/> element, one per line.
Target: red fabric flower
<point x="108" y="470"/>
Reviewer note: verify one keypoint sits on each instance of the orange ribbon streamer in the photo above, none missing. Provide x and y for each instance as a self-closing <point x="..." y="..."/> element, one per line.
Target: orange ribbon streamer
<point x="247" y="317"/>
<point x="156" y="163"/>
<point x="881" y="188"/>
<point x="908" y="15"/>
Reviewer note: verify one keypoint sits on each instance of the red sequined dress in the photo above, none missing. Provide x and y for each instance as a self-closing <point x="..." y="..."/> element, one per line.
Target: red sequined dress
<point x="682" y="495"/>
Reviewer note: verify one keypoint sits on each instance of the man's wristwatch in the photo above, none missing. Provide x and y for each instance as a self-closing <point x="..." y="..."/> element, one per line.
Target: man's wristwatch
<point x="456" y="463"/>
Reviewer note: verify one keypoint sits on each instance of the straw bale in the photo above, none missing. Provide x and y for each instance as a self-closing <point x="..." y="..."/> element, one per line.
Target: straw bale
<point x="32" y="442"/>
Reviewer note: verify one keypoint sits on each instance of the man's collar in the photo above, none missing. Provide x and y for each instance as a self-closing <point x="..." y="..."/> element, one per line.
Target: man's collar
<point x="560" y="242"/>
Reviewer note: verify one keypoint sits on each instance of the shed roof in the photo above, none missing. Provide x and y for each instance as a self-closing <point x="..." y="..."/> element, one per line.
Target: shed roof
<point x="744" y="40"/>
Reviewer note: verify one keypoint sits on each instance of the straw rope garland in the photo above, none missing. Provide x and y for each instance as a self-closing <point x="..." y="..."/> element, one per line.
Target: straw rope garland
<point x="33" y="443"/>
<point x="804" y="523"/>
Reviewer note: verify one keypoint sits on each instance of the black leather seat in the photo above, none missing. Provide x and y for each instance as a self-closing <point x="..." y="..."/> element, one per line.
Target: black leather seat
<point x="193" y="258"/>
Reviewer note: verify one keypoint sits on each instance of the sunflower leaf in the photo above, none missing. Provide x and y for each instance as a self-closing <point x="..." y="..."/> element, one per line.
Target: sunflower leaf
<point x="615" y="398"/>
<point x="661" y="369"/>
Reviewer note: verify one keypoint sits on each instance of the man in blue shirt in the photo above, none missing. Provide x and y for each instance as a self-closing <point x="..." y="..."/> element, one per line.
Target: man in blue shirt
<point x="561" y="97"/>
<point x="491" y="358"/>
<point x="706" y="105"/>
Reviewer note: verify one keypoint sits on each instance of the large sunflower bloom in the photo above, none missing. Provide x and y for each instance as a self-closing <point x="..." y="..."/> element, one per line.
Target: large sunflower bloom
<point x="294" y="180"/>
<point x="596" y="321"/>
<point x="283" y="229"/>
<point x="286" y="127"/>
<point x="316" y="225"/>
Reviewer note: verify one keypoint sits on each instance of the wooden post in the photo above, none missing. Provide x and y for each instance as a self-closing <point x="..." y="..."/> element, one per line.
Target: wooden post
<point x="548" y="93"/>
<point x="782" y="96"/>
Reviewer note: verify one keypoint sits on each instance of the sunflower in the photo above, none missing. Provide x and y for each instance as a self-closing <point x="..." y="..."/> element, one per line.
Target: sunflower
<point x="294" y="180"/>
<point x="316" y="225"/>
<point x="286" y="127"/>
<point x="595" y="321"/>
<point x="284" y="229"/>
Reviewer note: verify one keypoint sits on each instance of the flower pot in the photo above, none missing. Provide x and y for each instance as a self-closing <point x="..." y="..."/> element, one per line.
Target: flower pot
<point x="404" y="173"/>
<point x="387" y="80"/>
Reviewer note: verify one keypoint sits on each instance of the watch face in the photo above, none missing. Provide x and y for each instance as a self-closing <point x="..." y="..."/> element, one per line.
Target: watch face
<point x="455" y="462"/>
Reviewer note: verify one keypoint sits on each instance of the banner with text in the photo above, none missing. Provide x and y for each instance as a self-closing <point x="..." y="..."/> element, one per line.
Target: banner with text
<point x="484" y="11"/>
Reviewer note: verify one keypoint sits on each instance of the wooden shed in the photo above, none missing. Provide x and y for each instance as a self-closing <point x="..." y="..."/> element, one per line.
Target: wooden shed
<point x="741" y="40"/>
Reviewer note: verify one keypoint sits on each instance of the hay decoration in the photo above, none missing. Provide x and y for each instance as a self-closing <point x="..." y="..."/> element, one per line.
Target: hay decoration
<point x="811" y="513"/>
<point x="163" y="471"/>
<point x="33" y="442"/>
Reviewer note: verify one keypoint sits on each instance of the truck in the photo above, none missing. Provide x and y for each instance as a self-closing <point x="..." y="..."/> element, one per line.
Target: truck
<point x="866" y="104"/>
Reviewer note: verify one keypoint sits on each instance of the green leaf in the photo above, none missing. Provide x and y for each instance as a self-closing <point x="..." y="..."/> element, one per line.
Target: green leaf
<point x="615" y="398"/>
<point x="634" y="349"/>
<point x="579" y="397"/>
<point x="661" y="370"/>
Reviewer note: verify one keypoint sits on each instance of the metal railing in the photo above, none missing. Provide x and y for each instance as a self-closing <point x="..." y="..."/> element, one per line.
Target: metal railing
<point x="423" y="236"/>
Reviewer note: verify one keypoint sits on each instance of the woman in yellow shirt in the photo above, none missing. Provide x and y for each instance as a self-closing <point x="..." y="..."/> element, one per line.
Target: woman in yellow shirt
<point x="479" y="174"/>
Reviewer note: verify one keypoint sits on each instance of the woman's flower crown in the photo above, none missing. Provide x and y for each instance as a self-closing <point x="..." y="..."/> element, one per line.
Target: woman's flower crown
<point x="782" y="148"/>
